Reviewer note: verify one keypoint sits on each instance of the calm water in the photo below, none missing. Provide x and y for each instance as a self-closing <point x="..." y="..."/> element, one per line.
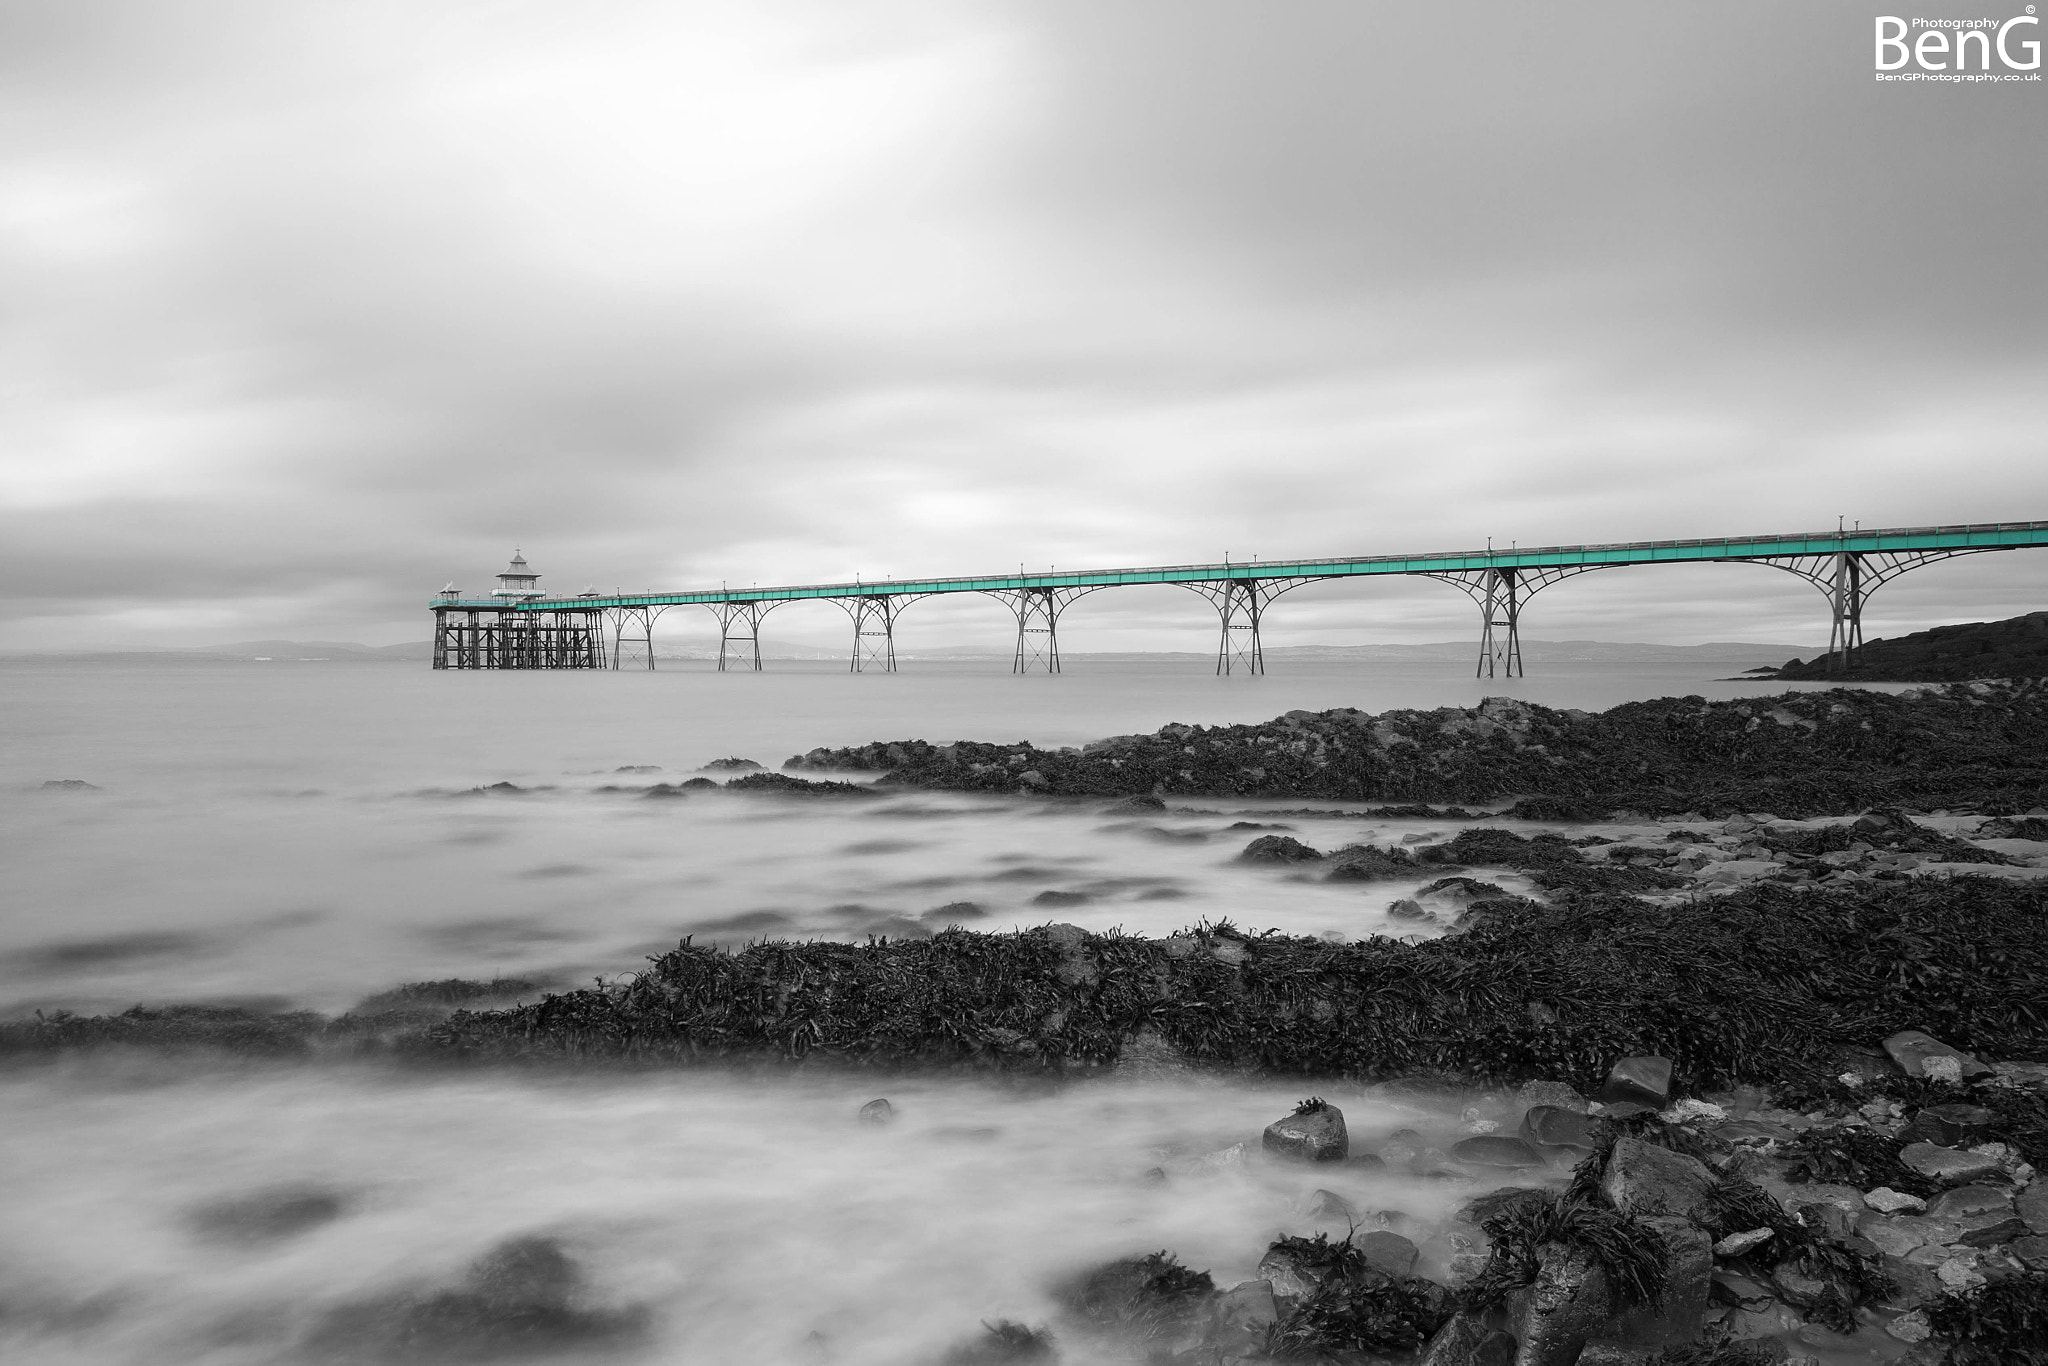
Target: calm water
<point x="304" y="834"/>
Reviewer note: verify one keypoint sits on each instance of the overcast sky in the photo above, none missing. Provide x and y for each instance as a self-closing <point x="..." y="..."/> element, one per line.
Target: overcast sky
<point x="310" y="306"/>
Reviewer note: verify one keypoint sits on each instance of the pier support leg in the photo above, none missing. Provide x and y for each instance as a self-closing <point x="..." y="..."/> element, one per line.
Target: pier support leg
<point x="633" y="625"/>
<point x="1038" y="609"/>
<point x="1241" y="604"/>
<point x="874" y="628"/>
<point x="1500" y="610"/>
<point x="1847" y="579"/>
<point x="739" y="633"/>
<point x="1501" y="592"/>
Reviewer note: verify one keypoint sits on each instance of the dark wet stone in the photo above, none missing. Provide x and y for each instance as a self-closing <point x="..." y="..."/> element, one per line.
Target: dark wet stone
<point x="524" y="1297"/>
<point x="2032" y="1206"/>
<point x="1278" y="849"/>
<point x="1966" y="1201"/>
<point x="878" y="1111"/>
<point x="1676" y="1318"/>
<point x="1643" y="1080"/>
<point x="69" y="785"/>
<point x="1314" y="1133"/>
<point x="1949" y="1126"/>
<point x="1554" y="1126"/>
<point x="1465" y="1340"/>
<point x="1645" y="1180"/>
<point x="1948" y="1166"/>
<point x="1135" y="805"/>
<point x="1407" y="909"/>
<point x="1388" y="1253"/>
<point x="1328" y="1206"/>
<point x="1496" y="1150"/>
<point x="1367" y="863"/>
<point x="268" y="1216"/>
<point x="954" y="913"/>
<point x="1570" y="1301"/>
<point x="1911" y="1049"/>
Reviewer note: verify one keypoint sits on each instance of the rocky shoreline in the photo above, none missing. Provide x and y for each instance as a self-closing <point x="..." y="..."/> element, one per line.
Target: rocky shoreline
<point x="1981" y="745"/>
<point x="1804" y="977"/>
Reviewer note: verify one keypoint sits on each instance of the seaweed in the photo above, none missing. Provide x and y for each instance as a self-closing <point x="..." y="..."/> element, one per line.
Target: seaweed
<point x="1350" y="1315"/>
<point x="1001" y="1343"/>
<point x="2003" y="1323"/>
<point x="1149" y="1297"/>
<point x="1631" y="1254"/>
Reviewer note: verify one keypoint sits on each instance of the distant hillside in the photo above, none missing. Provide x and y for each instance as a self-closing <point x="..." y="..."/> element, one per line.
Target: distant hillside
<point x="2015" y="648"/>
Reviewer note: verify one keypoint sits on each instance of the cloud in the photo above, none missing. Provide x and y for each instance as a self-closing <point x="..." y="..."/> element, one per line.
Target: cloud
<point x="311" y="308"/>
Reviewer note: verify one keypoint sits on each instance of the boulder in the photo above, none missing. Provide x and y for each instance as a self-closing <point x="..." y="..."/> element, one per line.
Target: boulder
<point x="1278" y="849"/>
<point x="1911" y="1049"/>
<point x="1465" y="1340"/>
<point x="2032" y="1206"/>
<point x="1313" y="1133"/>
<point x="1641" y="1080"/>
<point x="1389" y="1253"/>
<point x="877" y="1111"/>
<point x="1367" y="863"/>
<point x="1948" y="1166"/>
<point x="1948" y="1126"/>
<point x="1569" y="1302"/>
<point x="1496" y="1150"/>
<point x="2032" y="1252"/>
<point x="1679" y="1313"/>
<point x="1289" y="1274"/>
<point x="1646" y="1181"/>
<point x="1241" y="1316"/>
<point x="1535" y="1093"/>
<point x="1555" y="1126"/>
<point x="1407" y="908"/>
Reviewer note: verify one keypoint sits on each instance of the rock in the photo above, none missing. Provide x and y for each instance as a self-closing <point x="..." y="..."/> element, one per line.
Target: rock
<point x="1948" y="1126"/>
<point x="1569" y="1302"/>
<point x="1964" y="1201"/>
<point x="1947" y="1166"/>
<point x="877" y="1112"/>
<point x="69" y="785"/>
<point x="1465" y="1340"/>
<point x="1677" y="1316"/>
<point x="1290" y="1275"/>
<point x="1644" y="1180"/>
<point x="1329" y="1207"/>
<point x="1135" y="805"/>
<point x="2032" y="1206"/>
<point x="1407" y="909"/>
<point x="1389" y="1253"/>
<point x="1911" y="1049"/>
<point x="1737" y="1291"/>
<point x="1535" y="1093"/>
<point x="1241" y="1315"/>
<point x="1736" y="1244"/>
<point x="1912" y="1284"/>
<point x="1885" y="1200"/>
<point x="1692" y="1112"/>
<point x="1888" y="1236"/>
<point x="1313" y="1133"/>
<point x="1641" y="1080"/>
<point x="1989" y="1230"/>
<point x="1911" y="1327"/>
<point x="1796" y="1287"/>
<point x="2032" y="1252"/>
<point x="1555" y="1126"/>
<point x="1748" y="1131"/>
<point x="1959" y="1274"/>
<point x="1496" y="1150"/>
<point x="1278" y="849"/>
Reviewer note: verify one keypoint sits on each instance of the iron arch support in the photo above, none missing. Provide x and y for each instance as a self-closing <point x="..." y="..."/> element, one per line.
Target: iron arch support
<point x="1038" y="616"/>
<point x="874" y="627"/>
<point x="633" y="623"/>
<point x="1241" y="603"/>
<point x="1847" y="579"/>
<point x="1501" y="594"/>
<point x="739" y="631"/>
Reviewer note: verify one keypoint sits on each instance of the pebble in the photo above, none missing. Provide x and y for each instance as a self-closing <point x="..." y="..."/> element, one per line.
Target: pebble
<point x="1735" y="1244"/>
<point x="1885" y="1200"/>
<point x="1911" y="1327"/>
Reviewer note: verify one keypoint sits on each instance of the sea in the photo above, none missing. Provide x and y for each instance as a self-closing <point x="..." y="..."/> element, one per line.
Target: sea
<point x="303" y="834"/>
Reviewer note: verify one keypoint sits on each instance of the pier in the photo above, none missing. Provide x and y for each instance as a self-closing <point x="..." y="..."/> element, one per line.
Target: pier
<point x="517" y="626"/>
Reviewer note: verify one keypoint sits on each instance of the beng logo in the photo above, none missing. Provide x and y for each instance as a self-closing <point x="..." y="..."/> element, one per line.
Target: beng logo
<point x="1940" y="39"/>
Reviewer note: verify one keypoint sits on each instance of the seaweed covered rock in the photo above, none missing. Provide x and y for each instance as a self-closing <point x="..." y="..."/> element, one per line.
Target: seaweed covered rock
<point x="1800" y="754"/>
<point x="1370" y="863"/>
<point x="1313" y="1133"/>
<point x="1151" y="1299"/>
<point x="781" y="784"/>
<point x="1278" y="849"/>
